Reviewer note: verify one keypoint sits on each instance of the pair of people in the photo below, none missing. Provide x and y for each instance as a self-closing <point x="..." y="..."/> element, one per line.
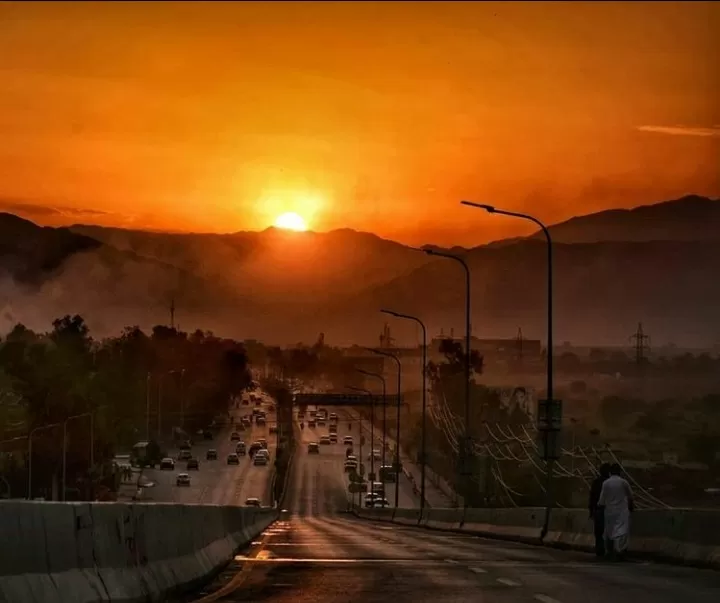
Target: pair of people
<point x="611" y="503"/>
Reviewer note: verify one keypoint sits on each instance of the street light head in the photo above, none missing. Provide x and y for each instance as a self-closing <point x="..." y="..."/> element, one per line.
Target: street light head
<point x="488" y="208"/>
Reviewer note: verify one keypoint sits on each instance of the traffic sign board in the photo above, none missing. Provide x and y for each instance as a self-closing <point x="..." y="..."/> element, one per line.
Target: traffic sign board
<point x="549" y="415"/>
<point x="343" y="400"/>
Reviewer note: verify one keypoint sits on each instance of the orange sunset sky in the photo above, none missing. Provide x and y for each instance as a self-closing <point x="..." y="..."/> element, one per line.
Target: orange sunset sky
<point x="377" y="116"/>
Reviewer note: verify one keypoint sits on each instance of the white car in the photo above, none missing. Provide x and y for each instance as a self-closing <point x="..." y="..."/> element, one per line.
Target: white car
<point x="260" y="459"/>
<point x="183" y="479"/>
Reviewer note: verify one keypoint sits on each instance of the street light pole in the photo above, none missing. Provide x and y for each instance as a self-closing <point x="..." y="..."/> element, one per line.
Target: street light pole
<point x="423" y="446"/>
<point x="372" y="435"/>
<point x="370" y="395"/>
<point x="384" y="399"/>
<point x="468" y="332"/>
<point x="182" y="399"/>
<point x="494" y="210"/>
<point x="397" y="420"/>
<point x="30" y="437"/>
<point x="147" y="407"/>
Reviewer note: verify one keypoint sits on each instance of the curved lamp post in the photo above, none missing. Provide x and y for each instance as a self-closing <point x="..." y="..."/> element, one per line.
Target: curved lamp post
<point x="503" y="212"/>
<point x="423" y="446"/>
<point x="397" y="420"/>
<point x="466" y="443"/>
<point x="362" y="390"/>
<point x="384" y="399"/>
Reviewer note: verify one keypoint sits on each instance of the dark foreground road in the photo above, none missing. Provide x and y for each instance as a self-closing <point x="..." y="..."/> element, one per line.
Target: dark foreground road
<point x="321" y="554"/>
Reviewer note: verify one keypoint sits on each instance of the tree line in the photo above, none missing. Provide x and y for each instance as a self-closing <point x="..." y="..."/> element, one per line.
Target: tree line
<point x="128" y="388"/>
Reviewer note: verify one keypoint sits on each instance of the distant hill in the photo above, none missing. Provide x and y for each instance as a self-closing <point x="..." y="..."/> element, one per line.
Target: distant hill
<point x="299" y="268"/>
<point x="690" y="218"/>
<point x="601" y="292"/>
<point x="655" y="264"/>
<point x="30" y="253"/>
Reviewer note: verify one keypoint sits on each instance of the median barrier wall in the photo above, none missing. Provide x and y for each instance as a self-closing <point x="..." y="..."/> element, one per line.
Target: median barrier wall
<point x="686" y="536"/>
<point x="87" y="552"/>
<point x="518" y="524"/>
<point x="407" y="517"/>
<point x="442" y="519"/>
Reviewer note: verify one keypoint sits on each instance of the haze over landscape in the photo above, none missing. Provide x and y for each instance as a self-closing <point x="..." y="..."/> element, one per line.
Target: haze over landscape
<point x="360" y="302"/>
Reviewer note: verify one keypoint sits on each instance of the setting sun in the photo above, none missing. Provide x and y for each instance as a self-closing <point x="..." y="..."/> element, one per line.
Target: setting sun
<point x="291" y="221"/>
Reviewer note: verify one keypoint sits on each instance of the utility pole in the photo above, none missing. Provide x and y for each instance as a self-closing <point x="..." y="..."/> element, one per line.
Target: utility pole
<point x="642" y="345"/>
<point x="172" y="313"/>
<point x="519" y="345"/>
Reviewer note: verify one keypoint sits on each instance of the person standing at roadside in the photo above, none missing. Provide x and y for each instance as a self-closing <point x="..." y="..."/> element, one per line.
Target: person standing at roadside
<point x="597" y="513"/>
<point x="617" y="500"/>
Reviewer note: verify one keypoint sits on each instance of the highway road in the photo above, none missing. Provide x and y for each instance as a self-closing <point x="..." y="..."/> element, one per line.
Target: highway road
<point x="407" y="499"/>
<point x="217" y="482"/>
<point x="321" y="553"/>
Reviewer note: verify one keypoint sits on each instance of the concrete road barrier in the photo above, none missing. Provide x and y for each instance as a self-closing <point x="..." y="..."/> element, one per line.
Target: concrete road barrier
<point x="442" y="519"/>
<point x="520" y="524"/>
<point x="685" y="536"/>
<point x="88" y="552"/>
<point x="407" y="517"/>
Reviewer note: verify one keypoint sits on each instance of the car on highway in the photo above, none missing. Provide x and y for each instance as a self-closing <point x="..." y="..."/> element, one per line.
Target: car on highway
<point x="320" y="421"/>
<point x="211" y="455"/>
<point x="370" y="499"/>
<point x="254" y="447"/>
<point x="376" y="454"/>
<point x="333" y="438"/>
<point x="183" y="479"/>
<point x="273" y="429"/>
<point x="262" y="442"/>
<point x="333" y="417"/>
<point x="377" y="488"/>
<point x="245" y="421"/>
<point x="260" y="459"/>
<point x="312" y="423"/>
<point x="348" y="440"/>
<point x="325" y="440"/>
<point x="380" y="503"/>
<point x="185" y="455"/>
<point x="260" y="420"/>
<point x="234" y="436"/>
<point x="252" y="502"/>
<point x="240" y="448"/>
<point x="313" y="448"/>
<point x="193" y="464"/>
<point x="167" y="464"/>
<point x="233" y="459"/>
<point x="350" y="466"/>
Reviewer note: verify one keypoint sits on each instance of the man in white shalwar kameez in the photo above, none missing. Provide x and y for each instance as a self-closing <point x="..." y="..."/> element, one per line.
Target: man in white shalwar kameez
<point x="616" y="499"/>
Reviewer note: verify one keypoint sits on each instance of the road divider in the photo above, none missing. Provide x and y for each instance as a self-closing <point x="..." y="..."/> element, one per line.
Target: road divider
<point x="684" y="536"/>
<point x="119" y="552"/>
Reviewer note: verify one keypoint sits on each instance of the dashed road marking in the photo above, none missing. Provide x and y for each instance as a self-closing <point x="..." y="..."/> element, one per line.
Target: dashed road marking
<point x="545" y="599"/>
<point x="478" y="570"/>
<point x="451" y="561"/>
<point x="508" y="582"/>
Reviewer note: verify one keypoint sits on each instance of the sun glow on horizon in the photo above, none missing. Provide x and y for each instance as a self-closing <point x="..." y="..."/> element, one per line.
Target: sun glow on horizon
<point x="291" y="221"/>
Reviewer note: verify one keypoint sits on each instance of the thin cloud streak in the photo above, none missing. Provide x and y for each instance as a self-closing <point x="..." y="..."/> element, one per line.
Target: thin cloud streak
<point x="682" y="130"/>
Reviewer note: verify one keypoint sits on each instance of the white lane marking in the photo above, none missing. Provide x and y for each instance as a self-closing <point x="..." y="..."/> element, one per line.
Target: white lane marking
<point x="451" y="561"/>
<point x="545" y="599"/>
<point x="508" y="582"/>
<point x="478" y="570"/>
